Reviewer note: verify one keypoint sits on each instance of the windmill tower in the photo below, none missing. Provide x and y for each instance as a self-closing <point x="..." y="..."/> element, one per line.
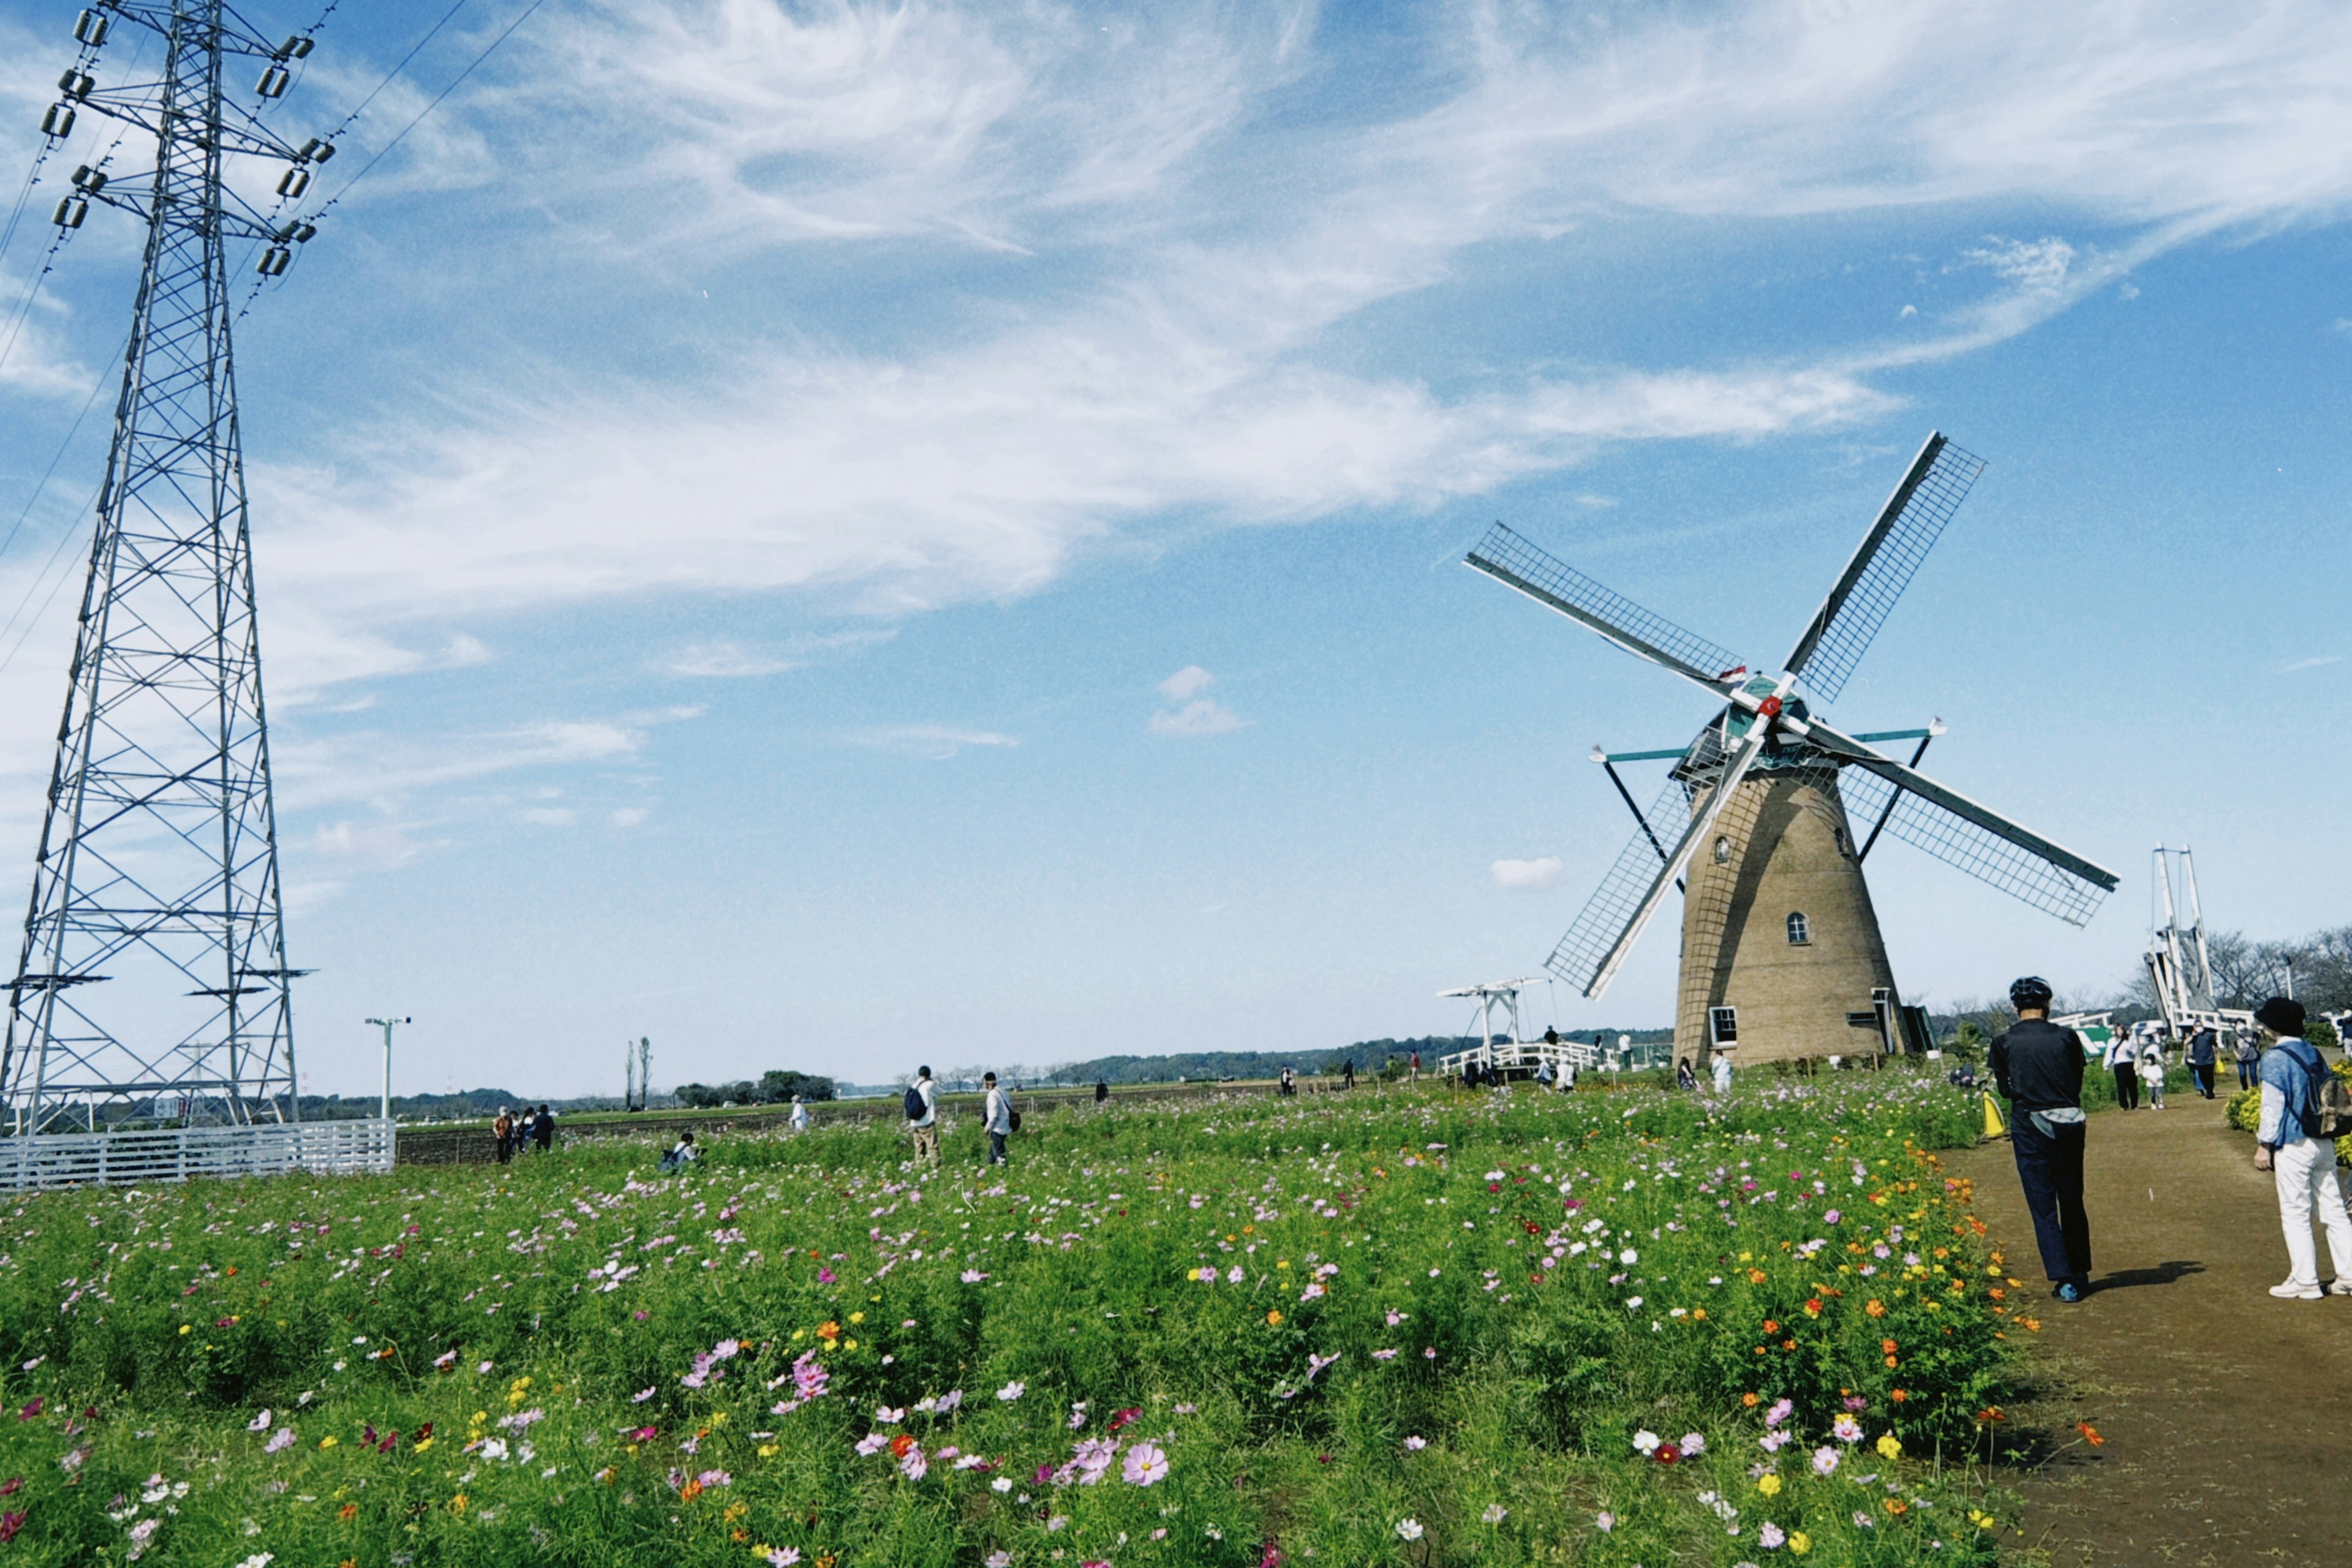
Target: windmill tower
<point x="154" y="976"/>
<point x="1782" y="958"/>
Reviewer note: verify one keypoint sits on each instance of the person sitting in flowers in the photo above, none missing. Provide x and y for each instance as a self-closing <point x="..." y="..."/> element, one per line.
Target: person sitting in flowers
<point x="682" y="1154"/>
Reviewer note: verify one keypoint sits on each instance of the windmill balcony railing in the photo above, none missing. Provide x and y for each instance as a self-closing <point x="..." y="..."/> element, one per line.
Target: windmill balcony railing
<point x="180" y="1153"/>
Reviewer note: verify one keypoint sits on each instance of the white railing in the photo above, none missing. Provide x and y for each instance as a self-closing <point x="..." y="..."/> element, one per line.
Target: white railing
<point x="176" y="1154"/>
<point x="1523" y="1054"/>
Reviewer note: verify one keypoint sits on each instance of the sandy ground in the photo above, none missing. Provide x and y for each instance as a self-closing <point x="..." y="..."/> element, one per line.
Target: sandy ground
<point x="2227" y="1415"/>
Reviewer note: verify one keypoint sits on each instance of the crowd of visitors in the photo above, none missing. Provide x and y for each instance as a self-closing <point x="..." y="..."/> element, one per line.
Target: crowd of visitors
<point x="517" y="1134"/>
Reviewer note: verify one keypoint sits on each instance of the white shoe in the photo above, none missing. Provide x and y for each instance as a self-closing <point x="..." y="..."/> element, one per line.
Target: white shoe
<point x="2291" y="1291"/>
<point x="2339" y="1287"/>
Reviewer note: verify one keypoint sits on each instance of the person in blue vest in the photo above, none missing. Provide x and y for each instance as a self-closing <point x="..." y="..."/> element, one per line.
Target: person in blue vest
<point x="2039" y="1068"/>
<point x="2302" y="1166"/>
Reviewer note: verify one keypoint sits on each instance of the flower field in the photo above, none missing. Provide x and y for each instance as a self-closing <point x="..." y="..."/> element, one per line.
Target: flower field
<point x="1386" y="1327"/>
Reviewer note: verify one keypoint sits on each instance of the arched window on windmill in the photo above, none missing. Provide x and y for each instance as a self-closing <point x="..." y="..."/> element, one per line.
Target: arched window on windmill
<point x="1800" y="930"/>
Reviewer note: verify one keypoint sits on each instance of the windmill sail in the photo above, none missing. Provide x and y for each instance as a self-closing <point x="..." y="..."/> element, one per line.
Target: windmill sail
<point x="1907" y="526"/>
<point x="1545" y="578"/>
<point x="1579" y="956"/>
<point x="1960" y="833"/>
<point x="1595" y="922"/>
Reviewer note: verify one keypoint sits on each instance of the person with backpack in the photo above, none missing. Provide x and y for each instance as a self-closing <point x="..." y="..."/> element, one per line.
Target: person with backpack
<point x="923" y="1117"/>
<point x="996" y="1116"/>
<point x="2203" y="1049"/>
<point x="681" y="1154"/>
<point x="2304" y="1108"/>
<point x="2039" y="1068"/>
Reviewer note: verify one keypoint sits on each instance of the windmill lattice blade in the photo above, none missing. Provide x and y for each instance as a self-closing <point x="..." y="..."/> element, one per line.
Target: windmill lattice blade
<point x="1989" y="848"/>
<point x="1545" y="578"/>
<point x="1579" y="956"/>
<point x="1882" y="564"/>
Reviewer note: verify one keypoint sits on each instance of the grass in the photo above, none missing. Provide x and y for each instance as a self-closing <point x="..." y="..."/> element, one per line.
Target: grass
<point x="1394" y="1327"/>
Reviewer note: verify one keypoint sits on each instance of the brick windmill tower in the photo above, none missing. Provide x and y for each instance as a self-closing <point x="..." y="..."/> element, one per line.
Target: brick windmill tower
<point x="1782" y="958"/>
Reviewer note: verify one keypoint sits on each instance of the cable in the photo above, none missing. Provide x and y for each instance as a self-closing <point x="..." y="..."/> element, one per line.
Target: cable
<point x="32" y="501"/>
<point x="397" y="69"/>
<point x="454" y="84"/>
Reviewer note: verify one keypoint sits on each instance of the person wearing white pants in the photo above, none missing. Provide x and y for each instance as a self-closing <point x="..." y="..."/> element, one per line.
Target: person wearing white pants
<point x="2302" y="1166"/>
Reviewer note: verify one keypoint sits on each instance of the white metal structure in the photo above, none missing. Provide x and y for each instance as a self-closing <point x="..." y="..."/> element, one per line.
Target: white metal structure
<point x="178" y="1154"/>
<point x="1509" y="1052"/>
<point x="2179" y="964"/>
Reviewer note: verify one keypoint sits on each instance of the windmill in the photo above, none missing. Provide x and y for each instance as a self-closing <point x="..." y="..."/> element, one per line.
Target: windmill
<point x="2180" y="967"/>
<point x="1782" y="954"/>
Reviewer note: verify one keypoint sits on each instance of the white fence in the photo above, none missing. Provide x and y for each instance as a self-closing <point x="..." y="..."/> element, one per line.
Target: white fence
<point x="176" y="1154"/>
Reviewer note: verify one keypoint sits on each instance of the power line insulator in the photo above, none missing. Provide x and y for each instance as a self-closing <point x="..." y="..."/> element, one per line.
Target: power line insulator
<point x="89" y="29"/>
<point x="58" y="123"/>
<point x="293" y="183"/>
<point x="302" y="233"/>
<point x="326" y="151"/>
<point x="295" y="47"/>
<point x="274" y="82"/>
<point x="274" y="261"/>
<point x="70" y="211"/>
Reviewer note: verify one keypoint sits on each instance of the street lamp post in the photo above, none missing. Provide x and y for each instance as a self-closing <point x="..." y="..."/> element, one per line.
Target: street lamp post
<point x="386" y="1025"/>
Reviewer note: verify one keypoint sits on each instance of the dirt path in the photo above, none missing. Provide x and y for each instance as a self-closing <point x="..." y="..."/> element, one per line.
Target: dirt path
<point x="2227" y="1415"/>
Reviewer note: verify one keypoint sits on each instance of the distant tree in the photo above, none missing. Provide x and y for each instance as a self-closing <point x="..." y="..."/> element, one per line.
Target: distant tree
<point x="777" y="1086"/>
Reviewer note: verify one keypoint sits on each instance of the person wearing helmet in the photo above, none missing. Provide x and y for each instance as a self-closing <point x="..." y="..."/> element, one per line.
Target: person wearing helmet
<point x="2039" y="1068"/>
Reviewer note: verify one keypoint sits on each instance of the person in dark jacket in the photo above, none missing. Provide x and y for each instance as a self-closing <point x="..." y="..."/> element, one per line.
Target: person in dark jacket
<point x="543" y="1131"/>
<point x="2204" y="1046"/>
<point x="2039" y="1068"/>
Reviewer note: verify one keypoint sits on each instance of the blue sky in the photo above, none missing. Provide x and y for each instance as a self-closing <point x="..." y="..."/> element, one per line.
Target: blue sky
<point x="835" y="536"/>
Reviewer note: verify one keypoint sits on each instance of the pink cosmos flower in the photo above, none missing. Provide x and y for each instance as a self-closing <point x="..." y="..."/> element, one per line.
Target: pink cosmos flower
<point x="972" y="1277"/>
<point x="641" y="1395"/>
<point x="782" y="1556"/>
<point x="1384" y="1355"/>
<point x="871" y="1443"/>
<point x="1846" y="1429"/>
<point x="1771" y="1536"/>
<point x="279" y="1441"/>
<point x="1825" y="1459"/>
<point x="1780" y="1411"/>
<point x="1604" y="1522"/>
<point x="824" y="1276"/>
<point x="1692" y="1443"/>
<point x="1144" y="1464"/>
<point x="259" y="1423"/>
<point x="445" y="1361"/>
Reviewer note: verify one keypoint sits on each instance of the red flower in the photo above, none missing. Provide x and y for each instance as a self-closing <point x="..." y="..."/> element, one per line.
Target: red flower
<point x="1119" y="1418"/>
<point x="899" y="1445"/>
<point x="1666" y="1453"/>
<point x="10" y="1523"/>
<point x="29" y="1411"/>
<point x="423" y="1431"/>
<point x="12" y="1485"/>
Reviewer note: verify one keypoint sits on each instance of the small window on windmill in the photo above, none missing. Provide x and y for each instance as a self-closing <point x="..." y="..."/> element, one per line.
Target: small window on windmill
<point x="1800" y="930"/>
<point x="1722" y="850"/>
<point x="1837" y="836"/>
<point x="1724" y="1023"/>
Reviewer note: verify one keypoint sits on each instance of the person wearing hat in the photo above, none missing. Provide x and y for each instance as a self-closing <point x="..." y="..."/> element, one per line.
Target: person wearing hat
<point x="2039" y="1068"/>
<point x="2302" y="1166"/>
<point x="996" y="1116"/>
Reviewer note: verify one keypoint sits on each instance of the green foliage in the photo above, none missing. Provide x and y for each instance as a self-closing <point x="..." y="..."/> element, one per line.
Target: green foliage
<point x="1331" y="1317"/>
<point x="772" y="1087"/>
<point x="2321" y="1032"/>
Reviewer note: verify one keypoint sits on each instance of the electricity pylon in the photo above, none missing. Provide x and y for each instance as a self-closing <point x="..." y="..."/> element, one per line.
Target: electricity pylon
<point x="153" y="969"/>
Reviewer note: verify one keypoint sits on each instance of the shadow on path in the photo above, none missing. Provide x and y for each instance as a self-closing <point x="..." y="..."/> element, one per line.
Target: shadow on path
<point x="2169" y="1273"/>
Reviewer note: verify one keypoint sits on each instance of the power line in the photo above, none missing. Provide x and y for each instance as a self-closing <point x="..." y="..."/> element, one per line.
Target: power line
<point x="454" y="84"/>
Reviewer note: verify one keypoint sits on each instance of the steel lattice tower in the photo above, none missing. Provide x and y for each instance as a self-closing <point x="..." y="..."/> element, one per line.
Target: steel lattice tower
<point x="153" y="967"/>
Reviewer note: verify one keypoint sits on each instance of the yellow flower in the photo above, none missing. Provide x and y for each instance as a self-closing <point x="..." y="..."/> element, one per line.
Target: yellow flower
<point x="1980" y="1518"/>
<point x="1274" y="1318"/>
<point x="849" y="1345"/>
<point x="1768" y="1485"/>
<point x="457" y="1503"/>
<point x="857" y="1317"/>
<point x="767" y="1450"/>
<point x="183" y="1328"/>
<point x="720" y="1419"/>
<point x="1799" y="1543"/>
<point x="420" y="1445"/>
<point x="1888" y="1447"/>
<point x="328" y="1441"/>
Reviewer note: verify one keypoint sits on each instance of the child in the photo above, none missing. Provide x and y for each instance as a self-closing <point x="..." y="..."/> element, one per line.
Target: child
<point x="2151" y="1073"/>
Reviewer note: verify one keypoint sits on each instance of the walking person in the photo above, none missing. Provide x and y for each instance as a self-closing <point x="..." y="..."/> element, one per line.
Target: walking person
<point x="2123" y="1060"/>
<point x="800" y="1114"/>
<point x="923" y="1117"/>
<point x="522" y="1133"/>
<point x="503" y="1131"/>
<point x="2244" y="1051"/>
<point x="1102" y="1092"/>
<point x="1413" y="1069"/>
<point x="542" y="1129"/>
<point x="2039" y="1068"/>
<point x="996" y="1115"/>
<point x="2203" y="1047"/>
<point x="1348" y="1073"/>
<point x="2151" y="1072"/>
<point x="2302" y="1166"/>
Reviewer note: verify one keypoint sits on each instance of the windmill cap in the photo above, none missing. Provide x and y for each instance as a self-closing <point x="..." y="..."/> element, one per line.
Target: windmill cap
<point x="2031" y="991"/>
<point x="2281" y="1015"/>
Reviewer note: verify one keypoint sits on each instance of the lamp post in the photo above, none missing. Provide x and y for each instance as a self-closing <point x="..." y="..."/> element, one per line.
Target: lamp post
<point x="386" y="1025"/>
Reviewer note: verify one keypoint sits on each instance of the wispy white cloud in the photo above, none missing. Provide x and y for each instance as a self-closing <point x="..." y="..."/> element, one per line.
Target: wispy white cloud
<point x="2317" y="661"/>
<point x="1190" y="714"/>
<point x="1522" y="876"/>
<point x="726" y="661"/>
<point x="932" y="743"/>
